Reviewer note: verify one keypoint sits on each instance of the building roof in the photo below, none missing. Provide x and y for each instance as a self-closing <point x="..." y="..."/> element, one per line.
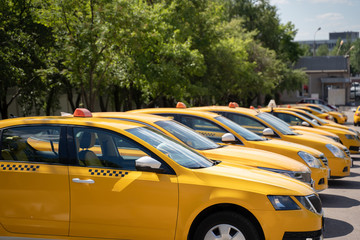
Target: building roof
<point x="323" y="63"/>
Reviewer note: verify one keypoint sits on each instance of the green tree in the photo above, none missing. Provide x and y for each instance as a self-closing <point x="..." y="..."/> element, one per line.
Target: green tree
<point x="322" y="50"/>
<point x="22" y="46"/>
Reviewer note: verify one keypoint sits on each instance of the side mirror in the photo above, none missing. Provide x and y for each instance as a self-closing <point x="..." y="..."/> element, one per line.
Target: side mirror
<point x="305" y="124"/>
<point x="148" y="164"/>
<point x="228" y="138"/>
<point x="268" y="132"/>
<point x="315" y="121"/>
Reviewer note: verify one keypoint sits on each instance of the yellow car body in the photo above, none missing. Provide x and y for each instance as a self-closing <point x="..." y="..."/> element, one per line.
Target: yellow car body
<point x="315" y="112"/>
<point x="338" y="161"/>
<point x="227" y="154"/>
<point x="348" y="138"/>
<point x="319" y="173"/>
<point x="171" y="192"/>
<point x="337" y="116"/>
<point x="357" y="116"/>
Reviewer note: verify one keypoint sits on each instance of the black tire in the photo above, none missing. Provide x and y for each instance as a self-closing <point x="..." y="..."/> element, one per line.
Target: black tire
<point x="232" y="223"/>
<point x="335" y="120"/>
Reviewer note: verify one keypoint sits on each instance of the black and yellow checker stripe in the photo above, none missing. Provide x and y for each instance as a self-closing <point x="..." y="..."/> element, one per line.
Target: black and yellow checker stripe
<point x="110" y="173"/>
<point x="19" y="167"/>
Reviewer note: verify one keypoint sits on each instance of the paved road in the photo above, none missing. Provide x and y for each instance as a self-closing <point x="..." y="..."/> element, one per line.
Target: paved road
<point x="341" y="202"/>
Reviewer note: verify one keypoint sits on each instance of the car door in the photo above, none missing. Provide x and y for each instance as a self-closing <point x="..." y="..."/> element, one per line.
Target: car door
<point x="110" y="198"/>
<point x="34" y="181"/>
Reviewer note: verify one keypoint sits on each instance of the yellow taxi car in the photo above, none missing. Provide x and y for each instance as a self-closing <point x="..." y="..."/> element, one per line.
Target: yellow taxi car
<point x="269" y="126"/>
<point x="357" y="116"/>
<point x="221" y="129"/>
<point x="337" y="116"/>
<point x="323" y="122"/>
<point x="347" y="138"/>
<point x="315" y="112"/>
<point x="231" y="154"/>
<point x="139" y="184"/>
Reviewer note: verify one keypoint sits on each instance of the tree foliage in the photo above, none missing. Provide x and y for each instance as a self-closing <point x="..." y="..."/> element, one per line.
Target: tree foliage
<point x="134" y="53"/>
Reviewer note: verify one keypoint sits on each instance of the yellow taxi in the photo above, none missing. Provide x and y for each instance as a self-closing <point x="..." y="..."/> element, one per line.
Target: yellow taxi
<point x="269" y="126"/>
<point x="315" y="112"/>
<point x="357" y="117"/>
<point x="337" y="116"/>
<point x="323" y="122"/>
<point x="231" y="154"/>
<point x="82" y="177"/>
<point x="347" y="138"/>
<point x="221" y="129"/>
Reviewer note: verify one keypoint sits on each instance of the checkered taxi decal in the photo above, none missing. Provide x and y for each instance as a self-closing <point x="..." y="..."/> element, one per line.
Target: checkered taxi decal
<point x="109" y="173"/>
<point x="19" y="167"/>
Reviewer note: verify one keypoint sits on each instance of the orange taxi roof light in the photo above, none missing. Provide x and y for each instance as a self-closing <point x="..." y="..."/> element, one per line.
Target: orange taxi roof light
<point x="233" y="104"/>
<point x="180" y="105"/>
<point x="252" y="107"/>
<point x="82" y="112"/>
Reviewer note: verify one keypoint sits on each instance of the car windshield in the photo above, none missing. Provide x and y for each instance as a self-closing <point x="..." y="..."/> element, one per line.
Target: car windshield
<point x="187" y="135"/>
<point x="247" y="134"/>
<point x="306" y="118"/>
<point x="312" y="117"/>
<point x="326" y="108"/>
<point x="178" y="152"/>
<point x="277" y="123"/>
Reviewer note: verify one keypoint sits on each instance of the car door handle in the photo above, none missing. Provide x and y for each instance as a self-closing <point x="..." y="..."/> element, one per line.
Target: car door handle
<point x="78" y="180"/>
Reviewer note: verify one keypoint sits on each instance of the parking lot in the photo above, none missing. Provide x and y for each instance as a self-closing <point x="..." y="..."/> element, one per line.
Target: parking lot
<point x="341" y="202"/>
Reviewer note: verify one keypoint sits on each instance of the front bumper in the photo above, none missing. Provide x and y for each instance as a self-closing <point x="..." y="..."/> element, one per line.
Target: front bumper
<point x="340" y="167"/>
<point x="315" y="235"/>
<point x="280" y="224"/>
<point x="320" y="177"/>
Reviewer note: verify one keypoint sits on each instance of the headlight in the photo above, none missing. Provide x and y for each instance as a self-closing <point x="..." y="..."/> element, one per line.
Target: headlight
<point x="335" y="151"/>
<point x="283" y="203"/>
<point x="311" y="203"/>
<point x="336" y="139"/>
<point x="348" y="136"/>
<point x="310" y="159"/>
<point x="301" y="176"/>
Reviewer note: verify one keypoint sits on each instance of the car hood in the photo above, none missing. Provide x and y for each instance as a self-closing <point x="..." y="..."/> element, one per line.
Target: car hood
<point x="272" y="144"/>
<point x="301" y="129"/>
<point x="252" y="180"/>
<point x="253" y="157"/>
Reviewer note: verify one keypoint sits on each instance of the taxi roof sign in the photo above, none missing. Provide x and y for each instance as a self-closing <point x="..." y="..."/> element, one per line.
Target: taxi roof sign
<point x="180" y="105"/>
<point x="82" y="112"/>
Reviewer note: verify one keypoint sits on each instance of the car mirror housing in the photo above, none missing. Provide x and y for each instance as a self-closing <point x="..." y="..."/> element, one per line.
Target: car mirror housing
<point x="268" y="132"/>
<point x="148" y="164"/>
<point x="228" y="138"/>
<point x="305" y="124"/>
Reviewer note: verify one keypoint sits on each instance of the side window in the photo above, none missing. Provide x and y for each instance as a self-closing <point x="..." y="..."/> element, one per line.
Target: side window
<point x="290" y="119"/>
<point x="31" y="144"/>
<point x="98" y="148"/>
<point x="204" y="127"/>
<point x="248" y="123"/>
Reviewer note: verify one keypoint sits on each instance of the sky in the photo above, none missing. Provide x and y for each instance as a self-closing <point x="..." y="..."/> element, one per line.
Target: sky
<point x="329" y="15"/>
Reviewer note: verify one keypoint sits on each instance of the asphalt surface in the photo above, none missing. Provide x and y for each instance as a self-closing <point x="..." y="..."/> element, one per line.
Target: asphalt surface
<point x="341" y="202"/>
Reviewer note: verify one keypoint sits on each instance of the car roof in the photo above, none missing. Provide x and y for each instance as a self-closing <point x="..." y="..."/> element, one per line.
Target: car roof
<point x="189" y="111"/>
<point x="69" y="120"/>
<point x="228" y="109"/>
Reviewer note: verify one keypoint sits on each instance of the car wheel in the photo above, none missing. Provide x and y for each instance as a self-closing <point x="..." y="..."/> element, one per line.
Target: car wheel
<point x="226" y="225"/>
<point x="335" y="120"/>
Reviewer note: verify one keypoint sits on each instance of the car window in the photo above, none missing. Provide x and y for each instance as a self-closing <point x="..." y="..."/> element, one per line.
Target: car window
<point x="31" y="144"/>
<point x="99" y="148"/>
<point x="175" y="150"/>
<point x="276" y="123"/>
<point x="288" y="118"/>
<point x="245" y="133"/>
<point x="247" y="122"/>
<point x="187" y="135"/>
<point x="204" y="127"/>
